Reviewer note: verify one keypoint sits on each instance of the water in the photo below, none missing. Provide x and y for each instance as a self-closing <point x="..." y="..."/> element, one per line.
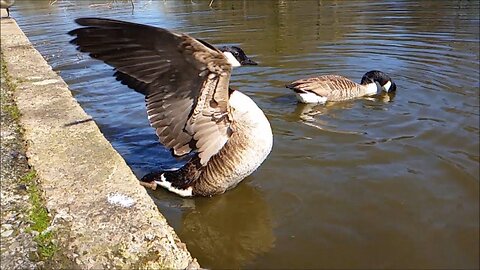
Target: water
<point x="389" y="182"/>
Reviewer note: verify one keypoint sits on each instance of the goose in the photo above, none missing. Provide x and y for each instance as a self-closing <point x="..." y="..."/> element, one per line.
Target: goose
<point x="338" y="88"/>
<point x="6" y="4"/>
<point x="189" y="102"/>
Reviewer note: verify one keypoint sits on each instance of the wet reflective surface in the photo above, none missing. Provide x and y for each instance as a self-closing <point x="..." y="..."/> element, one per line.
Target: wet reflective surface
<point x="385" y="182"/>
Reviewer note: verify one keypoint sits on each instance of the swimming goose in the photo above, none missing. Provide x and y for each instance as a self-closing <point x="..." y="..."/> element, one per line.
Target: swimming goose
<point x="189" y="103"/>
<point x="337" y="88"/>
<point x="6" y="4"/>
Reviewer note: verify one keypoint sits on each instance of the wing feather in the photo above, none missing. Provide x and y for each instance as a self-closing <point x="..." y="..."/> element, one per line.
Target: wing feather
<point x="184" y="80"/>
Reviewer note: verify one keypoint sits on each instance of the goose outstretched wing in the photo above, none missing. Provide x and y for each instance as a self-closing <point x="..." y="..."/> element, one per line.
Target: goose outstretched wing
<point x="184" y="80"/>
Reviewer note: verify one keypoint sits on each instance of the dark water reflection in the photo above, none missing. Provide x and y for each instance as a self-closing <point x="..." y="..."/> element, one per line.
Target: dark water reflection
<point x="388" y="182"/>
<point x="231" y="229"/>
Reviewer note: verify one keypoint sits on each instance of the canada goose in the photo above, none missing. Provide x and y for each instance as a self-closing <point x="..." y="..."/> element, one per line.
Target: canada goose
<point x="337" y="88"/>
<point x="6" y="4"/>
<point x="186" y="86"/>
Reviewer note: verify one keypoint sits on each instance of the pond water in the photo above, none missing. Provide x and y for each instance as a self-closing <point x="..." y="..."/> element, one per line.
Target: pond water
<point x="388" y="182"/>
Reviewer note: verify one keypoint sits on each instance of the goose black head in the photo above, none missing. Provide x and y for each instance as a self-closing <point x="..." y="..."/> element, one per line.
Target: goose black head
<point x="383" y="79"/>
<point x="236" y="56"/>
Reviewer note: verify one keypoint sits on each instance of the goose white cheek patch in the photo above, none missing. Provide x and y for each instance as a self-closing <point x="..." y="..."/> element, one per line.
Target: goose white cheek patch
<point x="386" y="86"/>
<point x="231" y="59"/>
<point x="373" y="88"/>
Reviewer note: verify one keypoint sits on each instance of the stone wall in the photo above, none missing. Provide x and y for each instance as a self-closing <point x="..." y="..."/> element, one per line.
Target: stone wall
<point x="101" y="217"/>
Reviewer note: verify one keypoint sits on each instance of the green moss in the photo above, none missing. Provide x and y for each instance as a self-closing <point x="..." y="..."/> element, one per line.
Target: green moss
<point x="8" y="80"/>
<point x="46" y="248"/>
<point x="39" y="218"/>
<point x="10" y="110"/>
<point x="38" y="214"/>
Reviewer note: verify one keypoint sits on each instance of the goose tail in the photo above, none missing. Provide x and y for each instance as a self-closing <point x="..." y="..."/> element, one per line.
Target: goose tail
<point x="295" y="86"/>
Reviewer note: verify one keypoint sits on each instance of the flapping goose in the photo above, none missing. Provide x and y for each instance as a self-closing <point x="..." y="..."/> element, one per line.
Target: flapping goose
<point x="6" y="4"/>
<point x="337" y="88"/>
<point x="186" y="86"/>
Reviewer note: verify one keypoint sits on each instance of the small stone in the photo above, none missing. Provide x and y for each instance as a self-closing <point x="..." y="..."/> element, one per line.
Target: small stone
<point x="7" y="226"/>
<point x="149" y="236"/>
<point x="22" y="187"/>
<point x="7" y="233"/>
<point x="14" y="246"/>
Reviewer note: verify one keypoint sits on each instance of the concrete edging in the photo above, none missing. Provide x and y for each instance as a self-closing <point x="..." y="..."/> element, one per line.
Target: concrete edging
<point x="102" y="217"/>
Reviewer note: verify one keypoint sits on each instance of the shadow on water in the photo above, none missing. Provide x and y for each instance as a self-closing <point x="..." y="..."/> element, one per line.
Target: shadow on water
<point x="384" y="182"/>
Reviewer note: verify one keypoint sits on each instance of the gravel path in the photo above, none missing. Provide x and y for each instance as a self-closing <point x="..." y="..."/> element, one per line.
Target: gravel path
<point x="17" y="248"/>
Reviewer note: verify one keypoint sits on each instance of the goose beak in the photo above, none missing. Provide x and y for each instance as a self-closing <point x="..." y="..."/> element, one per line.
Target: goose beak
<point x="248" y="62"/>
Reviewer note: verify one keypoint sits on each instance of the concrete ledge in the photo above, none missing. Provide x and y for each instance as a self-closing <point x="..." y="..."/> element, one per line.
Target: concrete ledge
<point x="102" y="217"/>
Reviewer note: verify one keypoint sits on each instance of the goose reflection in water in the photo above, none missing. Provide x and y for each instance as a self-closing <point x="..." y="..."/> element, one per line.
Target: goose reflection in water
<point x="227" y="231"/>
<point x="311" y="114"/>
